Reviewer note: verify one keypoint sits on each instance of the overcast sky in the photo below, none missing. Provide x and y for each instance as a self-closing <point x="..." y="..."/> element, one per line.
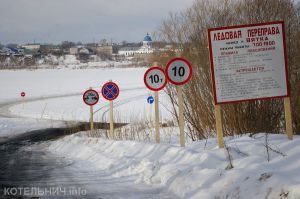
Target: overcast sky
<point x="44" y="21"/>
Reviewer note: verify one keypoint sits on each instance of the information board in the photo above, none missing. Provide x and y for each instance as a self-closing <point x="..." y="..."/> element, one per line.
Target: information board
<point x="248" y="62"/>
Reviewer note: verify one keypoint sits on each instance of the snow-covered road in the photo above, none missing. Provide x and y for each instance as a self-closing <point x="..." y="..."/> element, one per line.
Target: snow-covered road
<point x="27" y="166"/>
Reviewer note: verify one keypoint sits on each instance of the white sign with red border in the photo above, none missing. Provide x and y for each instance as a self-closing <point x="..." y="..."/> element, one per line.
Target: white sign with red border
<point x="179" y="71"/>
<point x="248" y="62"/>
<point x="155" y="78"/>
<point x="90" y="97"/>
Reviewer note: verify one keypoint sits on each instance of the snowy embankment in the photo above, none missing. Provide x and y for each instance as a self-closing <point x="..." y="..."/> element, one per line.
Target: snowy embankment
<point x="199" y="170"/>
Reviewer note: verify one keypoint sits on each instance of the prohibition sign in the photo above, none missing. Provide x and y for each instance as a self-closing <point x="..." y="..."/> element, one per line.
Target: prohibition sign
<point x="179" y="71"/>
<point x="90" y="97"/>
<point x="155" y="78"/>
<point x="23" y="94"/>
<point x="110" y="91"/>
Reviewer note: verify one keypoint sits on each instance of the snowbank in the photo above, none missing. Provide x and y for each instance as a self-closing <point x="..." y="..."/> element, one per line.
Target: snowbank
<point x="199" y="170"/>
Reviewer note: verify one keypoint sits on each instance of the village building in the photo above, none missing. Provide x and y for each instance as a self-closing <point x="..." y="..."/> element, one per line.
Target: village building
<point x="32" y="46"/>
<point x="146" y="48"/>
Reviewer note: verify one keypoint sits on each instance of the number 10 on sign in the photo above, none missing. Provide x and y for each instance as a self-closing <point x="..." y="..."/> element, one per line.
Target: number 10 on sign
<point x="179" y="72"/>
<point x="155" y="78"/>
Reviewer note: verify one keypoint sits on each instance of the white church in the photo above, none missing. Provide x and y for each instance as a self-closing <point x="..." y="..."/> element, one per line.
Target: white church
<point x="146" y="48"/>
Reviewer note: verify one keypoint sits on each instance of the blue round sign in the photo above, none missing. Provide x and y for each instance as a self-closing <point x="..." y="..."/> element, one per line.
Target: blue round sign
<point x="150" y="100"/>
<point x="110" y="91"/>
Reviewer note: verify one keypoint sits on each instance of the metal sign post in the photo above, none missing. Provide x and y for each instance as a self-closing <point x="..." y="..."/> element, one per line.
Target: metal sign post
<point x="179" y="72"/>
<point x="155" y="80"/>
<point x="110" y="91"/>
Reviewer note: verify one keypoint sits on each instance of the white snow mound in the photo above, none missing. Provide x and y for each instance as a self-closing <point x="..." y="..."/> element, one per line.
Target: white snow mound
<point x="199" y="170"/>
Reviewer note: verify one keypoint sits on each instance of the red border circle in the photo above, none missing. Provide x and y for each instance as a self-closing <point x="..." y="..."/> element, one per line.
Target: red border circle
<point x="148" y="71"/>
<point x="115" y="97"/>
<point x="185" y="61"/>
<point x="23" y="94"/>
<point x="90" y="91"/>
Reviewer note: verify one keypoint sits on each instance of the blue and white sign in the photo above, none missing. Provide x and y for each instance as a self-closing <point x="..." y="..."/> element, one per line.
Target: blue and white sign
<point x="150" y="100"/>
<point x="110" y="91"/>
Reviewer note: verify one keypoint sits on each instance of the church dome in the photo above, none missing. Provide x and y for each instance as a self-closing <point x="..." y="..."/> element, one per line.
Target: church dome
<point x="147" y="38"/>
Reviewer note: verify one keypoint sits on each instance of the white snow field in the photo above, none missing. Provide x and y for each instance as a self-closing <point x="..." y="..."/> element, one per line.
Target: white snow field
<point x="199" y="170"/>
<point x="57" y="94"/>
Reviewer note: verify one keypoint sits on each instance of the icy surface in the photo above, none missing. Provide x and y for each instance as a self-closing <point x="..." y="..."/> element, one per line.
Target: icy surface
<point x="57" y="94"/>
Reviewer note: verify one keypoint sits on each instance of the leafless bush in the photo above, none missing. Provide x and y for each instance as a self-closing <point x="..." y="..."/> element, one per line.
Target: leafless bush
<point x="187" y="31"/>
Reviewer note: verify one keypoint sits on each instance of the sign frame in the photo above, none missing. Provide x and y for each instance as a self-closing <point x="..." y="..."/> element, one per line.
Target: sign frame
<point x="244" y="26"/>
<point x="189" y="66"/>
<point x="90" y="90"/>
<point x="105" y="86"/>
<point x="148" y="71"/>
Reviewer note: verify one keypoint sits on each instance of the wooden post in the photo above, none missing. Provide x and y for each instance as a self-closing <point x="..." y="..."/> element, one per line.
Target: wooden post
<point x="23" y="102"/>
<point x="219" y="127"/>
<point x="181" y="116"/>
<point x="157" y="134"/>
<point x="92" y="120"/>
<point x="150" y="115"/>
<point x="180" y="112"/>
<point x="111" y="118"/>
<point x="288" y="117"/>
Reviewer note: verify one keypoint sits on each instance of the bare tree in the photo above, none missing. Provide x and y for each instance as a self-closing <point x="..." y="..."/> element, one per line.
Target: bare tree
<point x="187" y="33"/>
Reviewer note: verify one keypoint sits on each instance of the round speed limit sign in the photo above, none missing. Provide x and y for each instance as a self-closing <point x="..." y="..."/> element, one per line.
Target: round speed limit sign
<point x="179" y="71"/>
<point x="155" y="78"/>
